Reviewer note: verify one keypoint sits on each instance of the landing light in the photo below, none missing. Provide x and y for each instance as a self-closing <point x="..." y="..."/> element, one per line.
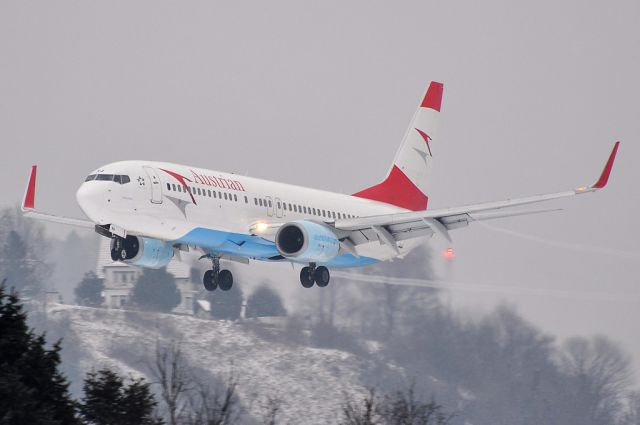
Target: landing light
<point x="448" y="254"/>
<point x="261" y="227"/>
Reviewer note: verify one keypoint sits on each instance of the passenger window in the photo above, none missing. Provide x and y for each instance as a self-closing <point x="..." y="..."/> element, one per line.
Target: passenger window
<point x="279" y="206"/>
<point x="255" y="201"/>
<point x="220" y="195"/>
<point x="173" y="185"/>
<point x="225" y="196"/>
<point x="270" y="204"/>
<point x="260" y="200"/>
<point x="235" y="197"/>
<point x="314" y="211"/>
<point x="246" y="201"/>
<point x="324" y="213"/>
<point x="168" y="185"/>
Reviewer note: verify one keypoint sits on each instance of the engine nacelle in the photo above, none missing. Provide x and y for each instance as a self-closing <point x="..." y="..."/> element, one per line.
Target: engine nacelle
<point x="307" y="241"/>
<point x="146" y="252"/>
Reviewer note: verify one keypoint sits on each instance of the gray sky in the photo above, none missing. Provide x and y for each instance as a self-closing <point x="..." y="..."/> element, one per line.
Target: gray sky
<point x="320" y="94"/>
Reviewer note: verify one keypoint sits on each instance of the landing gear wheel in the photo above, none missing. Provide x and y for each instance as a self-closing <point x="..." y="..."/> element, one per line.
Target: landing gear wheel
<point x="225" y="280"/>
<point x="305" y="277"/>
<point x="209" y="280"/>
<point x="321" y="276"/>
<point x="117" y="249"/>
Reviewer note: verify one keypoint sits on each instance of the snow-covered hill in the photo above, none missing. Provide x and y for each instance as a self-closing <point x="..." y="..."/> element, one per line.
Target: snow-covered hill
<point x="311" y="382"/>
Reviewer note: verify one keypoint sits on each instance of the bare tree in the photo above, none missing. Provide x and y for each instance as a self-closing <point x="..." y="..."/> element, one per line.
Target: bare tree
<point x="601" y="377"/>
<point x="361" y="413"/>
<point x="213" y="405"/>
<point x="171" y="373"/>
<point x="399" y="408"/>
<point x="402" y="408"/>
<point x="270" y="407"/>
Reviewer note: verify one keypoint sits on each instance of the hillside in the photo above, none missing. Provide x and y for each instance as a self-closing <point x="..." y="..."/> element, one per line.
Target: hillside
<point x="311" y="382"/>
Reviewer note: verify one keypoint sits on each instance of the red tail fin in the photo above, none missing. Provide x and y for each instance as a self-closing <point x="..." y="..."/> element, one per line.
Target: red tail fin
<point x="407" y="182"/>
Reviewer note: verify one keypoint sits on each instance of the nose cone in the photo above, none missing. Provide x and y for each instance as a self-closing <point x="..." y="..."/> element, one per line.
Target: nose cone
<point x="91" y="199"/>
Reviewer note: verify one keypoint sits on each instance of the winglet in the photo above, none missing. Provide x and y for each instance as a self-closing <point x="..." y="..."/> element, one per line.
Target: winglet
<point x="30" y="194"/>
<point x="604" y="177"/>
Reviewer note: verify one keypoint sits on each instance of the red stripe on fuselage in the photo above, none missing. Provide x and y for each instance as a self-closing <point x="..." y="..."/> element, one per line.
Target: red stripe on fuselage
<point x="181" y="179"/>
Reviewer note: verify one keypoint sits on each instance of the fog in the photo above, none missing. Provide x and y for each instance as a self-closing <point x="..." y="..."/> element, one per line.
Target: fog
<point x="319" y="94"/>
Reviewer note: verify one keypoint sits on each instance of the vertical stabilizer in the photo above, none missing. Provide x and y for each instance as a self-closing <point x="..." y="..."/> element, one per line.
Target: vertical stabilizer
<point x="406" y="184"/>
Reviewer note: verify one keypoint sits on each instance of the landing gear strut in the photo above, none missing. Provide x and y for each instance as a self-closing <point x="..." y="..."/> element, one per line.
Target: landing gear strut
<point x="216" y="278"/>
<point x="312" y="274"/>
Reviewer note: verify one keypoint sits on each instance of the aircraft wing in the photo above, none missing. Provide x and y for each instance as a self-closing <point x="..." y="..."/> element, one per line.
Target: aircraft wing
<point x="389" y="228"/>
<point x="28" y="207"/>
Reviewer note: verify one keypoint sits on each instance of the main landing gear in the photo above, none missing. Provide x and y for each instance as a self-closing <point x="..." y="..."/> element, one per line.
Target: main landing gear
<point x="312" y="274"/>
<point x="216" y="278"/>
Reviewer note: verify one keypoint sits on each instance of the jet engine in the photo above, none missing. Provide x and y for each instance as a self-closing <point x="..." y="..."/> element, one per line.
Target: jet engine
<point x="307" y="241"/>
<point x="143" y="252"/>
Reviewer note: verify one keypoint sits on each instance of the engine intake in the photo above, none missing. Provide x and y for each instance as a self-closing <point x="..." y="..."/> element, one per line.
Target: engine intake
<point x="307" y="241"/>
<point x="146" y="252"/>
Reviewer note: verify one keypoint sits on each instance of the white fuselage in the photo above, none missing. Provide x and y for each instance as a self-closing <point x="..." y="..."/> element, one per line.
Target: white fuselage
<point x="155" y="203"/>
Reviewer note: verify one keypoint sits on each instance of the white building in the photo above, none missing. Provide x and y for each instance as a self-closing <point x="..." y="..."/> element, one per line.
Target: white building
<point x="119" y="279"/>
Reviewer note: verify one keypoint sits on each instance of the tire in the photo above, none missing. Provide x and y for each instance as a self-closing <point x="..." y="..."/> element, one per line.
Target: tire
<point x="115" y="255"/>
<point x="209" y="281"/>
<point x="322" y="276"/>
<point x="116" y="249"/>
<point x="225" y="280"/>
<point x="305" y="277"/>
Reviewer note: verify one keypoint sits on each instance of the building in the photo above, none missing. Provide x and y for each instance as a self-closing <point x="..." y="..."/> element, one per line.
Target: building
<point x="119" y="278"/>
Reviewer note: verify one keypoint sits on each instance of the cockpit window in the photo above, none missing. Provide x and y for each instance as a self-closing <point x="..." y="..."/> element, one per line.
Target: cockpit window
<point x="117" y="178"/>
<point x="105" y="177"/>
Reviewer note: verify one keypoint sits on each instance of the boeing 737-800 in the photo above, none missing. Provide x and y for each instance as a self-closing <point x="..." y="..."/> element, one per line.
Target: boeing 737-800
<point x="153" y="210"/>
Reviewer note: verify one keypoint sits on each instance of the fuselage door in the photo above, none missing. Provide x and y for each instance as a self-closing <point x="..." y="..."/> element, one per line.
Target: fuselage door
<point x="269" y="206"/>
<point x="156" y="185"/>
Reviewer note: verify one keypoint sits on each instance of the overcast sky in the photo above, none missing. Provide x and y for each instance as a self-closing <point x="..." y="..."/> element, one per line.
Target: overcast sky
<point x="320" y="94"/>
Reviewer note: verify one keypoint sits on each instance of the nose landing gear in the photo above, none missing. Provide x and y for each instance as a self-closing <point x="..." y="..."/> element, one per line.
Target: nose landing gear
<point x="216" y="278"/>
<point x="312" y="274"/>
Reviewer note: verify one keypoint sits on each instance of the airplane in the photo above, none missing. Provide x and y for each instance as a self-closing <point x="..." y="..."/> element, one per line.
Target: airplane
<point x="153" y="211"/>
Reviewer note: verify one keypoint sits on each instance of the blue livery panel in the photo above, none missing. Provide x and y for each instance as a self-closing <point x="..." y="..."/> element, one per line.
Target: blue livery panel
<point x="255" y="247"/>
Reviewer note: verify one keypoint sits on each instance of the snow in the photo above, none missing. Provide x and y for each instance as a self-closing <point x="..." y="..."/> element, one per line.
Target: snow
<point x="311" y="382"/>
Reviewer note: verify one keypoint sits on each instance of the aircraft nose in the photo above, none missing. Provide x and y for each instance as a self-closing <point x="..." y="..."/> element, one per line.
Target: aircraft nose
<point x="92" y="201"/>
